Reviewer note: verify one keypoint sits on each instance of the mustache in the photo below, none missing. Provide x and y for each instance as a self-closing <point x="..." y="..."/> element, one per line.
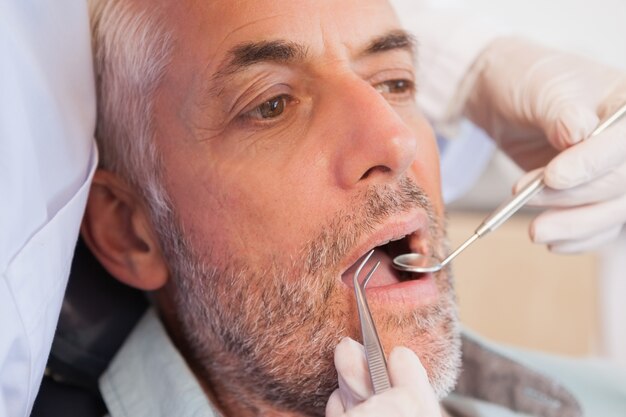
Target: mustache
<point x="373" y="207"/>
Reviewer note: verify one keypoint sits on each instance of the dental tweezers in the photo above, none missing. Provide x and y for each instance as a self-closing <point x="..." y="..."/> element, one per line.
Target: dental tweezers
<point x="374" y="353"/>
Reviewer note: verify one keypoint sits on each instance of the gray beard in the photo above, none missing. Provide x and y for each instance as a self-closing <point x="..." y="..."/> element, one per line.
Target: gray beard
<point x="265" y="337"/>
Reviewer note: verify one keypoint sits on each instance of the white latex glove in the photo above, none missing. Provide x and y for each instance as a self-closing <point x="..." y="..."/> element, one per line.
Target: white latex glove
<point x="410" y="395"/>
<point x="537" y="103"/>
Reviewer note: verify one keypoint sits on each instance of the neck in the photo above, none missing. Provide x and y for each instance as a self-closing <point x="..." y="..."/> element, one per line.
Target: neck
<point x="226" y="401"/>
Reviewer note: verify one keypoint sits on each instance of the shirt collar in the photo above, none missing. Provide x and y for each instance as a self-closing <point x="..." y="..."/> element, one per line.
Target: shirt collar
<point x="149" y="378"/>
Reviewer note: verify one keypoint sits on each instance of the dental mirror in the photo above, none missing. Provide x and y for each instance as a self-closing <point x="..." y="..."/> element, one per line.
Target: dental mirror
<point x="418" y="263"/>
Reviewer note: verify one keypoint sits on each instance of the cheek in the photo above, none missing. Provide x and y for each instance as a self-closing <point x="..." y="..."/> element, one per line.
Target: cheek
<point x="209" y="216"/>
<point x="425" y="168"/>
<point x="252" y="215"/>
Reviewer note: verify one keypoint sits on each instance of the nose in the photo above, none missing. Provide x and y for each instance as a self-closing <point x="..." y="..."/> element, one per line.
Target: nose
<point x="373" y="144"/>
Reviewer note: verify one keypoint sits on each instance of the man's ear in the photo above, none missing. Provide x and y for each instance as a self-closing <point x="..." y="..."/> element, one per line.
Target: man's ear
<point x="117" y="229"/>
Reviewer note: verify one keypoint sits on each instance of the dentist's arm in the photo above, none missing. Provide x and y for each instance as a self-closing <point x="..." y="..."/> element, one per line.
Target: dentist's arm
<point x="410" y="395"/>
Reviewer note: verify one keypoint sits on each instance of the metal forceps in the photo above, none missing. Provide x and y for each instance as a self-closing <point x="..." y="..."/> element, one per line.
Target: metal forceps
<point x="374" y="353"/>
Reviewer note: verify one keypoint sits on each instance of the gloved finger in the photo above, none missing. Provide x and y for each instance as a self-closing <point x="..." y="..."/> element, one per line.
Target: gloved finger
<point x="607" y="187"/>
<point x="406" y="370"/>
<point x="334" y="406"/>
<point x="589" y="159"/>
<point x="354" y="379"/>
<point x="397" y="402"/>
<point x="578" y="222"/>
<point x="568" y="122"/>
<point x="615" y="99"/>
<point x="586" y="244"/>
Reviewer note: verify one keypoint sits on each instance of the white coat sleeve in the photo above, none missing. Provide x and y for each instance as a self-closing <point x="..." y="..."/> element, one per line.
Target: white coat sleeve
<point x="47" y="158"/>
<point x="450" y="39"/>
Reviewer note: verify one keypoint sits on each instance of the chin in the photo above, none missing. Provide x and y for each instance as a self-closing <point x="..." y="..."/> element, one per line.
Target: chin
<point x="418" y="312"/>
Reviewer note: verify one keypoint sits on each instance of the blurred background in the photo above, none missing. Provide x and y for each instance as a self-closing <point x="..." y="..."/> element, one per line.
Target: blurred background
<point x="509" y="289"/>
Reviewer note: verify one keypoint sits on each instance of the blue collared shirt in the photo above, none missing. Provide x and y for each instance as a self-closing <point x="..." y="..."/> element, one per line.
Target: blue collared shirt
<point x="149" y="377"/>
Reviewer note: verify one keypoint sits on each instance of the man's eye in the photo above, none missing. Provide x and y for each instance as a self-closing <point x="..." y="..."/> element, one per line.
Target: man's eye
<point x="400" y="86"/>
<point x="270" y="109"/>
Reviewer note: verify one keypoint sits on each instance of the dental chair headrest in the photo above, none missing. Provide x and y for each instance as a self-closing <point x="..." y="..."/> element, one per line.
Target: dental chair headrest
<point x="97" y="314"/>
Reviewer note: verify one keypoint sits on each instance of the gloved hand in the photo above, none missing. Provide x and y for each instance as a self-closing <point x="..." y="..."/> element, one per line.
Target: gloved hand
<point x="410" y="395"/>
<point x="537" y="103"/>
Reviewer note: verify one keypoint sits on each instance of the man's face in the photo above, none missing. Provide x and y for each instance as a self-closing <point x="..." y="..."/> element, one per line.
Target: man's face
<point x="291" y="146"/>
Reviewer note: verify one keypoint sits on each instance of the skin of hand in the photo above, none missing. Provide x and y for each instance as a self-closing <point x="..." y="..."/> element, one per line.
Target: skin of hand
<point x="537" y="103"/>
<point x="410" y="395"/>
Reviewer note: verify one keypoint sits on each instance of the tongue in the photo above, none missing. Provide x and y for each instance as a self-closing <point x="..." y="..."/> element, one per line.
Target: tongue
<point x="384" y="275"/>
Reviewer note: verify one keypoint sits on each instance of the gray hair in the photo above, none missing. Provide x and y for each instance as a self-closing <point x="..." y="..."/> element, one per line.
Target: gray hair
<point x="131" y="50"/>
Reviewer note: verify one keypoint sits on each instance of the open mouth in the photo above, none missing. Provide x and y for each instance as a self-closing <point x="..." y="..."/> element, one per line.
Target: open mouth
<point x="386" y="274"/>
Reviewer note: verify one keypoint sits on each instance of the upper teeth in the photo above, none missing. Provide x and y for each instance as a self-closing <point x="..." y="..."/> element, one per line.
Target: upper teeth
<point x="392" y="240"/>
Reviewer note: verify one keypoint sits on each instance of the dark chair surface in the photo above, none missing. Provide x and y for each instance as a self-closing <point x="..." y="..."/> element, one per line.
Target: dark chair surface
<point x="97" y="314"/>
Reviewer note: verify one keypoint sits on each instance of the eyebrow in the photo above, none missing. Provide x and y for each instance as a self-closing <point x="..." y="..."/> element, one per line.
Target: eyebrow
<point x="247" y="54"/>
<point x="395" y="39"/>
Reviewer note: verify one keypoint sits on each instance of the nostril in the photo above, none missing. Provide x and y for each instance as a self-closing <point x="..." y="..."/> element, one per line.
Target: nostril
<point x="378" y="168"/>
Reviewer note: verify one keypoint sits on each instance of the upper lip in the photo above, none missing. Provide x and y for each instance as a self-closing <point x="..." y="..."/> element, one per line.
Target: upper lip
<point x="414" y="223"/>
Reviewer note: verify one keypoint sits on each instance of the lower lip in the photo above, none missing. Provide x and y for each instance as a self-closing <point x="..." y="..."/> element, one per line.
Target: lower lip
<point x="412" y="293"/>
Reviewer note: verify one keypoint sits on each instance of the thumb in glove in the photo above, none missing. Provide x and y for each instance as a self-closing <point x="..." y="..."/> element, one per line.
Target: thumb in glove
<point x="410" y="395"/>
